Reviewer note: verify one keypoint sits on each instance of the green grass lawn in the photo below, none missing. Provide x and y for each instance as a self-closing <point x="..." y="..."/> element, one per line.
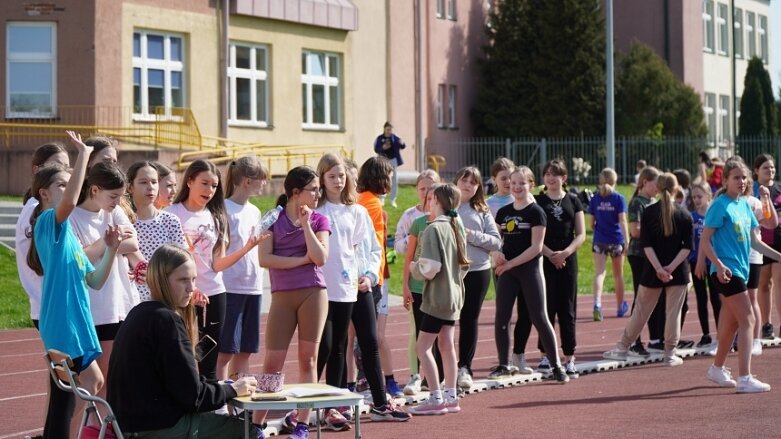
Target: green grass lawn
<point x="16" y="309"/>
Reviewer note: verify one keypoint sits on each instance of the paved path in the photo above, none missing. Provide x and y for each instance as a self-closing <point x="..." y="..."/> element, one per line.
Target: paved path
<point x="640" y="401"/>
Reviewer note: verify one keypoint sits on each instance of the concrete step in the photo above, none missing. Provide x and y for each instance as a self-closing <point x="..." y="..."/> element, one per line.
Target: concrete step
<point x="8" y="218"/>
<point x="10" y="208"/>
<point x="7" y="230"/>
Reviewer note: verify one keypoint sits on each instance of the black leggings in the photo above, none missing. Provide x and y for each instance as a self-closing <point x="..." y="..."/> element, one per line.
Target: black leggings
<point x="417" y="315"/>
<point x="215" y="320"/>
<point x="525" y="284"/>
<point x="59" y="411"/>
<point x="701" y="289"/>
<point x="561" y="292"/>
<point x="333" y="348"/>
<point x="475" y="288"/>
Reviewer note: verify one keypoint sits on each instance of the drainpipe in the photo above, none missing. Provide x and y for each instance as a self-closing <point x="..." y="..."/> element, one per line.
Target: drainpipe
<point x="419" y="86"/>
<point x="224" y="54"/>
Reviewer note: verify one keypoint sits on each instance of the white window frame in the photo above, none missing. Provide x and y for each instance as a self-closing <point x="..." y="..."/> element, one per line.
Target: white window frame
<point x="762" y="36"/>
<point x="34" y="57"/>
<point x="308" y="80"/>
<point x="452" y="94"/>
<point x="451" y="10"/>
<point x="709" y="108"/>
<point x="167" y="65"/>
<point x="721" y="25"/>
<point x="708" y="37"/>
<point x="737" y="114"/>
<point x="440" y="106"/>
<point x="751" y="35"/>
<point x="440" y="8"/>
<point x="738" y="30"/>
<point x="724" y="119"/>
<point x="256" y="77"/>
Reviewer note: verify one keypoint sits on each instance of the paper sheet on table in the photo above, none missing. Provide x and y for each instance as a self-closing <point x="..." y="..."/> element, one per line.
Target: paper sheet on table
<point x="306" y="392"/>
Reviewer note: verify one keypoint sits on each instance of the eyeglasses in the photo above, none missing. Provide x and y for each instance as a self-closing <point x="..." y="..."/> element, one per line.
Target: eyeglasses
<point x="313" y="190"/>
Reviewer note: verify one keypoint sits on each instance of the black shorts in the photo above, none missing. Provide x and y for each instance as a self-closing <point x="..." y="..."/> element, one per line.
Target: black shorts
<point x="107" y="332"/>
<point x="753" y="276"/>
<point x="735" y="285"/>
<point x="433" y="325"/>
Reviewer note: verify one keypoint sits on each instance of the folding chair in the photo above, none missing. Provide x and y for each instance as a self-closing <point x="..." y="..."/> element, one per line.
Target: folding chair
<point x="61" y="369"/>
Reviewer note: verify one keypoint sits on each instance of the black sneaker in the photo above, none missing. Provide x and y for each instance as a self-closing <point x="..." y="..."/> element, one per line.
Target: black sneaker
<point x="501" y="371"/>
<point x="658" y="346"/>
<point x="767" y="331"/>
<point x="560" y="375"/>
<point x="705" y="341"/>
<point x="685" y="344"/>
<point x="389" y="413"/>
<point x="638" y="350"/>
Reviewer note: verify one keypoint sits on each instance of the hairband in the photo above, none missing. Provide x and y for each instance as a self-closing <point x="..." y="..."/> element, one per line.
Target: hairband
<point x="452" y="213"/>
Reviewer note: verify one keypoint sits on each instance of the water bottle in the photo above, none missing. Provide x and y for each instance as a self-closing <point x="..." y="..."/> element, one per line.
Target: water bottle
<point x="766" y="208"/>
<point x="268" y="219"/>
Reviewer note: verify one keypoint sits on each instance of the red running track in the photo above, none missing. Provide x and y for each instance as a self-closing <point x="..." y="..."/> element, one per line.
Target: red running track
<point x="641" y="401"/>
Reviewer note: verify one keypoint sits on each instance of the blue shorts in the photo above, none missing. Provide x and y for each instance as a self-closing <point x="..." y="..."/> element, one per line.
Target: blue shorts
<point x="241" y="331"/>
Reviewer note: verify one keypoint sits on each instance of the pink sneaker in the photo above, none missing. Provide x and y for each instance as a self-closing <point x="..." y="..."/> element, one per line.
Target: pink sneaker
<point x="452" y="405"/>
<point x="431" y="406"/>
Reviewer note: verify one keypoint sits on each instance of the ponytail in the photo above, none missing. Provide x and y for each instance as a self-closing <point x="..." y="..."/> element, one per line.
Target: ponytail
<point x="667" y="183"/>
<point x="449" y="197"/>
<point x="44" y="178"/>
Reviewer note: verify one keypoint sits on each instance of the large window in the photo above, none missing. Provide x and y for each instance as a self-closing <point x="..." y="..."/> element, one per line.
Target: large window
<point x="440" y="105"/>
<point x="721" y="21"/>
<point x="750" y="35"/>
<point x="320" y="90"/>
<point x="451" y="9"/>
<point x="31" y="69"/>
<point x="707" y="25"/>
<point x="158" y="73"/>
<point x="440" y="8"/>
<point x="762" y="31"/>
<point x="248" y="82"/>
<point x="710" y="114"/>
<point x="724" y="119"/>
<point x="738" y="32"/>
<point x="451" y="106"/>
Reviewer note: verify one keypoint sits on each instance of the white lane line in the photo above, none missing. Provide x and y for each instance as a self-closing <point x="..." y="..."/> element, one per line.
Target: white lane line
<point x="21" y="433"/>
<point x="22" y="397"/>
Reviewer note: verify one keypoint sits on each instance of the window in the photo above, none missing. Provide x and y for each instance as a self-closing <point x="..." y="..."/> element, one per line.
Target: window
<point x="707" y="25"/>
<point x="451" y="10"/>
<point x="320" y="90"/>
<point x="451" y="106"/>
<point x="158" y="73"/>
<point x="738" y="18"/>
<point x="752" y="40"/>
<point x="762" y="31"/>
<point x="248" y="85"/>
<point x="724" y="121"/>
<point x="440" y="8"/>
<point x="440" y="103"/>
<point x="737" y="115"/>
<point x="710" y="114"/>
<point x="31" y="69"/>
<point x="721" y="22"/>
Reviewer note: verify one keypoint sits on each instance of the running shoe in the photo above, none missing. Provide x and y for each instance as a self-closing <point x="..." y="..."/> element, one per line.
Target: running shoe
<point x="721" y="376"/>
<point x="413" y="386"/>
<point x="672" y="360"/>
<point x="430" y="406"/>
<point x="300" y="432"/>
<point x="706" y="340"/>
<point x="290" y="421"/>
<point x="656" y="346"/>
<point x="571" y="369"/>
<point x="451" y="404"/>
<point x="597" y="313"/>
<point x="756" y="347"/>
<point x="616" y="353"/>
<point x="389" y="413"/>
<point x="464" y="378"/>
<point x="347" y="412"/>
<point x="767" y="331"/>
<point x="362" y="385"/>
<point x="560" y="375"/>
<point x="749" y="384"/>
<point x="335" y="421"/>
<point x="393" y="388"/>
<point x="519" y="361"/>
<point x="622" y="309"/>
<point x="638" y="350"/>
<point x="544" y="366"/>
<point x="685" y="344"/>
<point x="500" y="371"/>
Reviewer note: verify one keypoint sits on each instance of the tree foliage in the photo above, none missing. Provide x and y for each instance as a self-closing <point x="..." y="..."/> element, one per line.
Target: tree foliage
<point x="648" y="94"/>
<point x="543" y="70"/>
<point x="758" y="102"/>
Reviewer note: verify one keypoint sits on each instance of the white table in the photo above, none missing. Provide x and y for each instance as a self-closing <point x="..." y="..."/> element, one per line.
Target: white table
<point x="314" y="402"/>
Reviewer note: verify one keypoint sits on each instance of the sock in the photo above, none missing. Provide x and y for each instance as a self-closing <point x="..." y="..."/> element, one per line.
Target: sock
<point x="653" y="341"/>
<point x="351" y="387"/>
<point x="597" y="304"/>
<point x="451" y="394"/>
<point x="436" y="394"/>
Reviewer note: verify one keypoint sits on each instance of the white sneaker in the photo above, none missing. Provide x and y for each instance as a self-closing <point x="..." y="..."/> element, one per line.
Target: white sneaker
<point x="756" y="347"/>
<point x="749" y="384"/>
<point x="544" y="365"/>
<point x="413" y="386"/>
<point x="721" y="376"/>
<point x="223" y="411"/>
<point x="519" y="361"/>
<point x="464" y="378"/>
<point x="616" y="353"/>
<point x="393" y="203"/>
<point x="672" y="360"/>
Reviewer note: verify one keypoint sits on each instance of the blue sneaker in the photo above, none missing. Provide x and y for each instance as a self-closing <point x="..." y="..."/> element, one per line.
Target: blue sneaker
<point x="597" y="313"/>
<point x="300" y="432"/>
<point x="623" y="309"/>
<point x="393" y="388"/>
<point x="290" y="421"/>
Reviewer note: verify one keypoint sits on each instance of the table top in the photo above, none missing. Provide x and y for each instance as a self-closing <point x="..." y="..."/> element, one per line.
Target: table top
<point x="312" y="402"/>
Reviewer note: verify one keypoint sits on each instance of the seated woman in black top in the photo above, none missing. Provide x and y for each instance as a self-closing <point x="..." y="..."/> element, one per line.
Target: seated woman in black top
<point x="154" y="386"/>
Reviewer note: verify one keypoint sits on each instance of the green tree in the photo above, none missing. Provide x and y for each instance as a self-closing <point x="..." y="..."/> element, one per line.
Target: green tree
<point x="753" y="118"/>
<point x="648" y="93"/>
<point x="756" y="71"/>
<point x="543" y="70"/>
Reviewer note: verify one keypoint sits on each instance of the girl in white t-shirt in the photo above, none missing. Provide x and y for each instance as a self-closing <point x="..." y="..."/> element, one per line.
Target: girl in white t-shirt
<point x="154" y="227"/>
<point x="200" y="206"/>
<point x="241" y="333"/>
<point x="98" y="208"/>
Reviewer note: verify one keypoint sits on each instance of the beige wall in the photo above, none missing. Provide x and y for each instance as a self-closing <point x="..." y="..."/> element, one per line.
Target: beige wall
<point x="401" y="75"/>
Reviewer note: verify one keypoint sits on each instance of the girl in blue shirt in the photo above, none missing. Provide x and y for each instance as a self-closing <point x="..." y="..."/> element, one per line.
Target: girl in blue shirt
<point x="608" y="221"/>
<point x="727" y="239"/>
<point x="56" y="254"/>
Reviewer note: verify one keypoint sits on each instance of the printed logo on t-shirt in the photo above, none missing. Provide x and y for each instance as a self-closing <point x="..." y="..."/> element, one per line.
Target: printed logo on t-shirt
<point x="513" y="224"/>
<point x="199" y="240"/>
<point x="606" y="206"/>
